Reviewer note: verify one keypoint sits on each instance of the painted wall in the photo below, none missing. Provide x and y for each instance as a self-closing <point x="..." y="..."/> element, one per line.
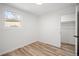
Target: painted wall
<point x="1" y="29"/>
<point x="16" y="37"/>
<point x="50" y="25"/>
<point x="67" y="32"/>
<point x="50" y="29"/>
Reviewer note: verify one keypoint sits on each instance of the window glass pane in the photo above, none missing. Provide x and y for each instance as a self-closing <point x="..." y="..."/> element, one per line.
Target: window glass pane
<point x="12" y="24"/>
<point x="9" y="15"/>
<point x="12" y="19"/>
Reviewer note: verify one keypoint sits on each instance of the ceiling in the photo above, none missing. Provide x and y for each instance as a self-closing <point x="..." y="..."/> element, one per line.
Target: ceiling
<point x="40" y="9"/>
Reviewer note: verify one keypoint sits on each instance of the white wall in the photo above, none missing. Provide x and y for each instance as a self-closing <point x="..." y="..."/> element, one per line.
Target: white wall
<point x="1" y="29"/>
<point x="16" y="37"/>
<point x="50" y="25"/>
<point x="67" y="32"/>
<point x="50" y="29"/>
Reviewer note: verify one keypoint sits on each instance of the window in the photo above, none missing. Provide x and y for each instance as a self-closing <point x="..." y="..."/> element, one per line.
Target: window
<point x="12" y="19"/>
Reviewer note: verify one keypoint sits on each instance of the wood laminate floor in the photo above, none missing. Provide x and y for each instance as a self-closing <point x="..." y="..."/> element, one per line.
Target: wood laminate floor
<point x="43" y="49"/>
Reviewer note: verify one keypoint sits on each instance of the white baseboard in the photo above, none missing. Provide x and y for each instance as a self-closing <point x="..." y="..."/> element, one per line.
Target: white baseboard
<point x="1" y="53"/>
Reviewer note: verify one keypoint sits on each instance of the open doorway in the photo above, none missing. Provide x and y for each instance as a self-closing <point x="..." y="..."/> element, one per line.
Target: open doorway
<point x="67" y="33"/>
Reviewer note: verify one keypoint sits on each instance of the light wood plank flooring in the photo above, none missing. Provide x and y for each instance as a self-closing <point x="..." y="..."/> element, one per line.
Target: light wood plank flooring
<point x="43" y="49"/>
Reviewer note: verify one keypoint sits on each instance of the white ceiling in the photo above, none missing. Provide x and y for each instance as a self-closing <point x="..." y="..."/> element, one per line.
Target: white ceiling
<point x="40" y="9"/>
